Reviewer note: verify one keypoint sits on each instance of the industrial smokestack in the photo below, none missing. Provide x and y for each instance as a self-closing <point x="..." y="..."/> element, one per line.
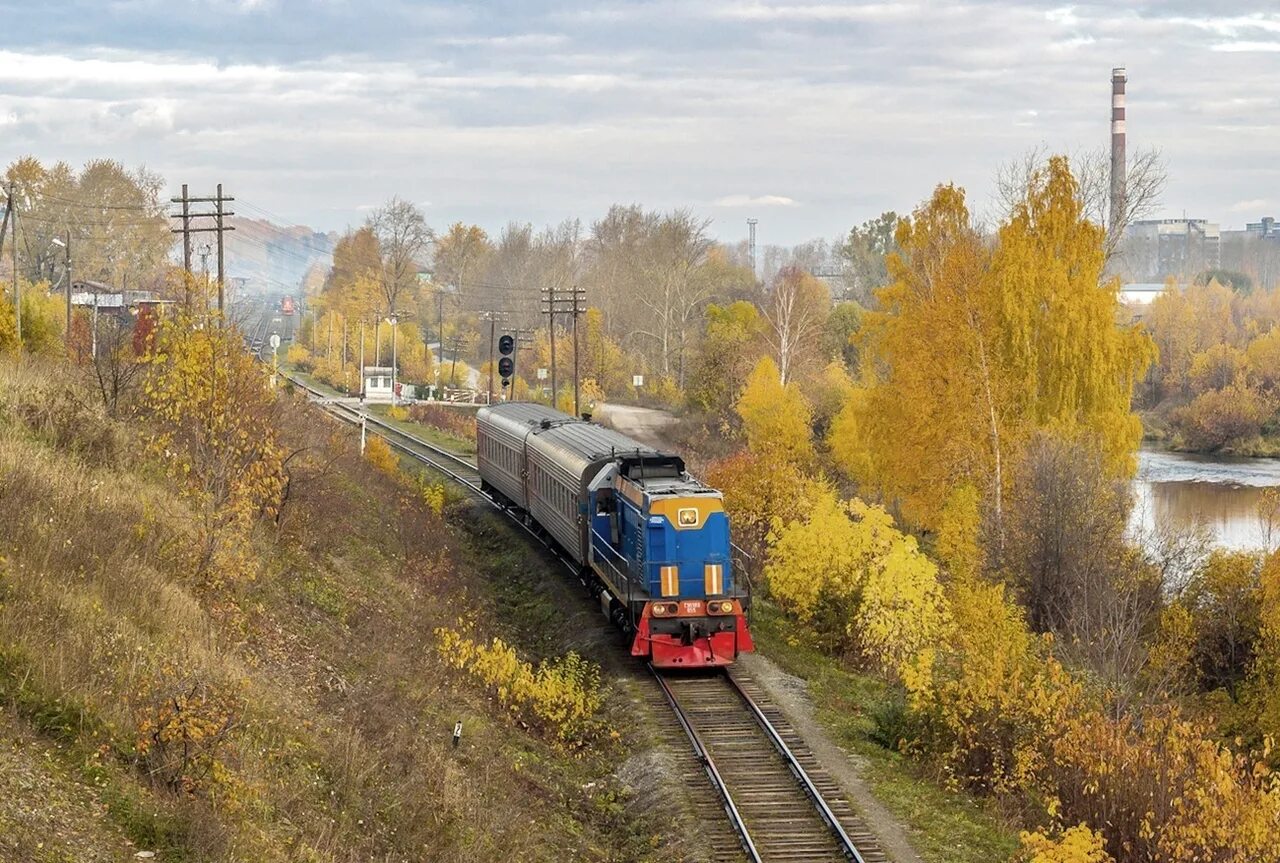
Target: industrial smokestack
<point x="1118" y="79"/>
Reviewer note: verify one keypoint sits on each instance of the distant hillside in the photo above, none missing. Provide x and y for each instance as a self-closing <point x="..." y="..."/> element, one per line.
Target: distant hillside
<point x="270" y="257"/>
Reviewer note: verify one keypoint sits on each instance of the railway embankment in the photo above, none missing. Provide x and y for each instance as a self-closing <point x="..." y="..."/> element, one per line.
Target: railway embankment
<point x="295" y="700"/>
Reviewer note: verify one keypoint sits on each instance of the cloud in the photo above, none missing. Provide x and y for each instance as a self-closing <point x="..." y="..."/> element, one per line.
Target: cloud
<point x="1253" y="206"/>
<point x="757" y="201"/>
<point x="540" y="111"/>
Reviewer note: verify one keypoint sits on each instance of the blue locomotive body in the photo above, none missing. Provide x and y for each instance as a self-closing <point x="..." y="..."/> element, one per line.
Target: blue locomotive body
<point x="650" y="540"/>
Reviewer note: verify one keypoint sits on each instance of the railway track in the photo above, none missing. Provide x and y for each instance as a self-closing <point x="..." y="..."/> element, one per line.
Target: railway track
<point x="781" y="806"/>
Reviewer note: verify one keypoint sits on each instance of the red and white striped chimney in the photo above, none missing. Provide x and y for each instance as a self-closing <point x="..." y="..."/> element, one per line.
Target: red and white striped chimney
<point x="1118" y="79"/>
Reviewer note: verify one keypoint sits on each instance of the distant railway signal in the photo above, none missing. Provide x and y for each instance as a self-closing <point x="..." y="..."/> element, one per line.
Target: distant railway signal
<point x="506" y="360"/>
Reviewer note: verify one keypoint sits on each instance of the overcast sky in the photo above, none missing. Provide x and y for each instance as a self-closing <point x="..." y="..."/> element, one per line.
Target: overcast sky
<point x="810" y="117"/>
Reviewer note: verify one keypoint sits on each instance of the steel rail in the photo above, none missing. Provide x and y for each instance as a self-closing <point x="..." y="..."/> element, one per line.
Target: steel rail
<point x="709" y="765"/>
<point x="842" y="838"/>
<point x="353" y="416"/>
<point x="348" y="414"/>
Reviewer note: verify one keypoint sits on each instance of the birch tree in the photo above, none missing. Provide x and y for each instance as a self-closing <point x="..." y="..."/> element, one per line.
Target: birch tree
<point x="796" y="312"/>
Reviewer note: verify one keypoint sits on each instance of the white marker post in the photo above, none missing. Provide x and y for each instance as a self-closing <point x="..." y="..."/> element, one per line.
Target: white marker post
<point x="275" y="364"/>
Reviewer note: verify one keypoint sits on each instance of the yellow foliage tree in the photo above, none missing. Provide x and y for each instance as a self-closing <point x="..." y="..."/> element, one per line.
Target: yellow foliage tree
<point x="775" y="416"/>
<point x="861" y="583"/>
<point x="974" y="348"/>
<point x="215" y="429"/>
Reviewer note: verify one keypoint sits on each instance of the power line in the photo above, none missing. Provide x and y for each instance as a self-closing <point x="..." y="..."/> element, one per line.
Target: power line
<point x="88" y="205"/>
<point x="219" y="228"/>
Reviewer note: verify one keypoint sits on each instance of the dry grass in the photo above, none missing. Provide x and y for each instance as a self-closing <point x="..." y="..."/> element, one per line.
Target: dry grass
<point x="338" y="714"/>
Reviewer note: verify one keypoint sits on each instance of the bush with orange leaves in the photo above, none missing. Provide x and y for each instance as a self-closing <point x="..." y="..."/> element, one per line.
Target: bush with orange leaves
<point x="1076" y="844"/>
<point x="995" y="698"/>
<point x="1162" y="790"/>
<point x="184" y="726"/>
<point x="379" y="454"/>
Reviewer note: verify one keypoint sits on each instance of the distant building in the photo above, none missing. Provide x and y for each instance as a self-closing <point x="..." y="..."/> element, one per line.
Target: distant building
<point x="1140" y="293"/>
<point x="377" y="384"/>
<point x="108" y="300"/>
<point x="1255" y="252"/>
<point x="1157" y="249"/>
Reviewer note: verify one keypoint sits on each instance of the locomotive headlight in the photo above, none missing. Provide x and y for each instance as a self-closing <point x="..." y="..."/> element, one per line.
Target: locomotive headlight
<point x="720" y="607"/>
<point x="688" y="517"/>
<point x="664" y="609"/>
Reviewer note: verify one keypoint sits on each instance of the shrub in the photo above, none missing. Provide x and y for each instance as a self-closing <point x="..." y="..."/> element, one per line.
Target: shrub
<point x="994" y="698"/>
<point x="1076" y="844"/>
<point x="561" y="695"/>
<point x="379" y="454"/>
<point x="1217" y="368"/>
<point x="1164" y="791"/>
<point x="452" y="421"/>
<point x="184" y="724"/>
<point x="861" y="583"/>
<point x="1220" y="418"/>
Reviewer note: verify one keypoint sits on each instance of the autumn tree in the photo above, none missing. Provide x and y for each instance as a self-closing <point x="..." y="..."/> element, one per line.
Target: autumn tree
<point x="118" y="223"/>
<point x="775" y="416"/>
<point x="1066" y="554"/>
<point x="461" y="253"/>
<point x="403" y="239"/>
<point x="1145" y="179"/>
<point x="839" y="336"/>
<point x="215" y="429"/>
<point x="865" y="253"/>
<point x="353" y="283"/>
<point x="974" y="348"/>
<point x="796" y="311"/>
<point x="730" y="345"/>
<point x="1185" y="323"/>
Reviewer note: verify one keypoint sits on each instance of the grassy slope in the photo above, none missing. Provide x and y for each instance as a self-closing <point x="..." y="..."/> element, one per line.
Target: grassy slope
<point x="341" y="745"/>
<point x="944" y="826"/>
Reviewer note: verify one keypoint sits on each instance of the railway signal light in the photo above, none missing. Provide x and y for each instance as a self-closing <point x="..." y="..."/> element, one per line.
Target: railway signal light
<point x="506" y="362"/>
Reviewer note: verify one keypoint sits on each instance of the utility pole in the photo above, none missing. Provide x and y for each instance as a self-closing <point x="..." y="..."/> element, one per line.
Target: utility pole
<point x="68" y="290"/>
<point x="453" y="372"/>
<point x="12" y="212"/>
<point x="219" y="228"/>
<point x="362" y="362"/>
<point x="186" y="230"/>
<point x="578" y="294"/>
<point x="394" y="321"/>
<point x="222" y="271"/>
<point x="550" y="310"/>
<point x="493" y="345"/>
<point x="567" y="302"/>
<point x="439" y="342"/>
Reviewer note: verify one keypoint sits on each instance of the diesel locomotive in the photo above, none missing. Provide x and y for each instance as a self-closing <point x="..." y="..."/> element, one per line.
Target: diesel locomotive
<point x="651" y="542"/>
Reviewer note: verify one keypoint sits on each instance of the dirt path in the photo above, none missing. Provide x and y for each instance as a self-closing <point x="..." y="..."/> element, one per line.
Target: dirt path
<point x="647" y="425"/>
<point x="791" y="694"/>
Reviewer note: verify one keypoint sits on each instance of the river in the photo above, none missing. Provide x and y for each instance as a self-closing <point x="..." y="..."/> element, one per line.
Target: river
<point x="1182" y="490"/>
